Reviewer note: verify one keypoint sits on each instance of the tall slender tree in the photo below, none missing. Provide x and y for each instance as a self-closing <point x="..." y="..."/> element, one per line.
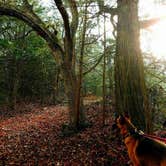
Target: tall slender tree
<point x="104" y="72"/>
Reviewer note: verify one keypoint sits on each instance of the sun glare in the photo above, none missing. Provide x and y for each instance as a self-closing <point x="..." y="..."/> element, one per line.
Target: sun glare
<point x="158" y="43"/>
<point x="155" y="41"/>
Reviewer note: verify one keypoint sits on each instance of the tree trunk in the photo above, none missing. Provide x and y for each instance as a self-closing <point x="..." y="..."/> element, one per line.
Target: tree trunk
<point x="129" y="72"/>
<point x="71" y="92"/>
<point x="104" y="74"/>
<point x="56" y="86"/>
<point x="13" y="82"/>
<point x="80" y="114"/>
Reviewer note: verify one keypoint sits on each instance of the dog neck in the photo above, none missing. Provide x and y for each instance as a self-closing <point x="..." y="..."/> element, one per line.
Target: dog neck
<point x="126" y="135"/>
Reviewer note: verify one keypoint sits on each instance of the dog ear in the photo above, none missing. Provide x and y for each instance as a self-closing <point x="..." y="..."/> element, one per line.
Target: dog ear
<point x="126" y="115"/>
<point x="122" y="120"/>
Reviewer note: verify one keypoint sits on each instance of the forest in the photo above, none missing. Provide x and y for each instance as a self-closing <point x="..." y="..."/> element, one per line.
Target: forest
<point x="69" y="69"/>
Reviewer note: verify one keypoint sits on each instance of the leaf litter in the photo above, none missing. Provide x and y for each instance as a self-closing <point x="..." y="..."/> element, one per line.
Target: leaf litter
<point x="34" y="138"/>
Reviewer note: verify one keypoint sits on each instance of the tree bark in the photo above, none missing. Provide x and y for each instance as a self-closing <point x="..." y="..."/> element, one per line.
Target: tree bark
<point x="129" y="71"/>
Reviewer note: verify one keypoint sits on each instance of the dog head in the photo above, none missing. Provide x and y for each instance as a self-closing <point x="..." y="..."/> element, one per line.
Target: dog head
<point x="125" y="125"/>
<point x="122" y="123"/>
<point x="118" y="126"/>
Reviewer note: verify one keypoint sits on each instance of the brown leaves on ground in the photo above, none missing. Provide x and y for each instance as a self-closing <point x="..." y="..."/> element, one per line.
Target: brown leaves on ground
<point x="34" y="138"/>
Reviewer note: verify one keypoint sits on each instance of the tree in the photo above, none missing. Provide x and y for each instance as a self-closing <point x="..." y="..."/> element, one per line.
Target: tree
<point x="10" y="58"/>
<point x="130" y="90"/>
<point x="156" y="81"/>
<point x="28" y="72"/>
<point x="129" y="72"/>
<point x="64" y="54"/>
<point x="80" y="74"/>
<point x="104" y="73"/>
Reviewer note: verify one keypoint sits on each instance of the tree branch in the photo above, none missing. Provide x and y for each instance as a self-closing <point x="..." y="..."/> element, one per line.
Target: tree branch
<point x="68" y="42"/>
<point x="94" y="66"/>
<point x="34" y="22"/>
<point x="74" y="11"/>
<point x="156" y="76"/>
<point x="107" y="52"/>
<point x="27" y="5"/>
<point x="114" y="26"/>
<point x="65" y="18"/>
<point x="111" y="10"/>
<point x="25" y="35"/>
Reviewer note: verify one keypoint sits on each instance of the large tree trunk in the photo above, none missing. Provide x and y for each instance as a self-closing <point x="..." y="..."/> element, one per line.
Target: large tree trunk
<point x="75" y="111"/>
<point x="129" y="72"/>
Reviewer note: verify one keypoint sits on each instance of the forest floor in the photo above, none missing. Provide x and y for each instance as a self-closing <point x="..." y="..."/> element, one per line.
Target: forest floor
<point x="32" y="136"/>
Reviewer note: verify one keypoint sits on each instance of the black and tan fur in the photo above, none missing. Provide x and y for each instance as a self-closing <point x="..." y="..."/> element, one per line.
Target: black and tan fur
<point x="142" y="151"/>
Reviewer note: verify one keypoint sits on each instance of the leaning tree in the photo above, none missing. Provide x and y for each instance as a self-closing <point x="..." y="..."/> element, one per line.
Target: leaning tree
<point x="63" y="49"/>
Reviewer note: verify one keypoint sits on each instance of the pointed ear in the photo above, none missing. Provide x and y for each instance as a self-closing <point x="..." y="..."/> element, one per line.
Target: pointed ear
<point x="122" y="120"/>
<point x="126" y="115"/>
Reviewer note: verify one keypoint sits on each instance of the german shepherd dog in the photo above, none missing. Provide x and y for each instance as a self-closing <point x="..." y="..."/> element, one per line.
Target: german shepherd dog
<point x="142" y="151"/>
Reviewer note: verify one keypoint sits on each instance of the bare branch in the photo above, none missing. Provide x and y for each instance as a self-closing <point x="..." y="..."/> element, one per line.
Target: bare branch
<point x="94" y="66"/>
<point x="107" y="52"/>
<point x="156" y="76"/>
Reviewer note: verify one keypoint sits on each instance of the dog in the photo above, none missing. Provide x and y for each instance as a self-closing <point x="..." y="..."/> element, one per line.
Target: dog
<point x="142" y="151"/>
